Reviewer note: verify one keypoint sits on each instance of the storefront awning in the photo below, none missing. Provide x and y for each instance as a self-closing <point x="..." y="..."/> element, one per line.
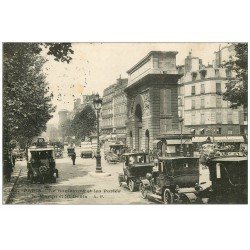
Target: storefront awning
<point x="200" y="139"/>
<point x="121" y="136"/>
<point x="155" y="142"/>
<point x="228" y="139"/>
<point x="177" y="142"/>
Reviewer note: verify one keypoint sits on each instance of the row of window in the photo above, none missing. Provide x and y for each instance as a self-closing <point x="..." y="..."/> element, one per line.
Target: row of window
<point x="202" y="89"/>
<point x="120" y="121"/>
<point x="202" y="103"/>
<point x="107" y="111"/>
<point x="203" y="74"/>
<point x="107" y="122"/>
<point x="120" y="109"/>
<point x="218" y="118"/>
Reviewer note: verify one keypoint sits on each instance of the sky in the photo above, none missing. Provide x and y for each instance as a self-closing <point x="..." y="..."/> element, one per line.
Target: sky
<point x="95" y="66"/>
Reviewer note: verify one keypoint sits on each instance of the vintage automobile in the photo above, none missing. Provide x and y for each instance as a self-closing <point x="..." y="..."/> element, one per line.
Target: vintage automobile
<point x="114" y="153"/>
<point x="228" y="175"/>
<point x="70" y="151"/>
<point x="41" y="164"/>
<point x="111" y="157"/>
<point x="175" y="181"/>
<point x="135" y="168"/>
<point x="58" y="152"/>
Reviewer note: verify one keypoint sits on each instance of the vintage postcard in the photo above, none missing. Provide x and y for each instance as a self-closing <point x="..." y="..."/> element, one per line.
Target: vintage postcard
<point x="125" y="123"/>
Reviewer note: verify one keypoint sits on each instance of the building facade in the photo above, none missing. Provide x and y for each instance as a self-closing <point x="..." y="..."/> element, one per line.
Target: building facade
<point x="152" y="102"/>
<point x="205" y="111"/>
<point x="120" y="106"/>
<point x="107" y="115"/>
<point x="114" y="110"/>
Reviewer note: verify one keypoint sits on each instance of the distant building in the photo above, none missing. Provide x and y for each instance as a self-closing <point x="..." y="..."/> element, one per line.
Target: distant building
<point x="107" y="125"/>
<point x="63" y="115"/>
<point x="120" y="106"/>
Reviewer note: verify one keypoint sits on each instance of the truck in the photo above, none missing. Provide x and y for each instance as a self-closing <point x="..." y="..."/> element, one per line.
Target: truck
<point x="86" y="149"/>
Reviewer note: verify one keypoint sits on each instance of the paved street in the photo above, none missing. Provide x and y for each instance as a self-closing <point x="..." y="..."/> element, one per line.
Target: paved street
<point x="76" y="186"/>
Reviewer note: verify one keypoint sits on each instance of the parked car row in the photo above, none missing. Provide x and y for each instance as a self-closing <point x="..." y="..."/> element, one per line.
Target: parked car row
<point x="176" y="179"/>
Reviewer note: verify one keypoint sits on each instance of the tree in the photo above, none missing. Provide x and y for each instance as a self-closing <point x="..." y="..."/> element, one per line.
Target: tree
<point x="237" y="87"/>
<point x="84" y="122"/>
<point x="26" y="97"/>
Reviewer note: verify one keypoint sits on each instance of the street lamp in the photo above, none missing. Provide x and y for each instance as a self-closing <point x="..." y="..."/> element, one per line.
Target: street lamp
<point x="98" y="105"/>
<point x="181" y="120"/>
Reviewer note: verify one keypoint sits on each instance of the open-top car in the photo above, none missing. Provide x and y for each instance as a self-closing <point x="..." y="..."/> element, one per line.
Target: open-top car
<point x="41" y="164"/>
<point x="175" y="181"/>
<point x="135" y="168"/>
<point x="228" y="175"/>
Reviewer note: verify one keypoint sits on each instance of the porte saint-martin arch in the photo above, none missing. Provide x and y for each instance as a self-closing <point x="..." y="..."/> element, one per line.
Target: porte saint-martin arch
<point x="152" y="101"/>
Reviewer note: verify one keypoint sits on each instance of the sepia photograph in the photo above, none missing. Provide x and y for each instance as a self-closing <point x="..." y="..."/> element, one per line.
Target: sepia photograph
<point x="125" y="123"/>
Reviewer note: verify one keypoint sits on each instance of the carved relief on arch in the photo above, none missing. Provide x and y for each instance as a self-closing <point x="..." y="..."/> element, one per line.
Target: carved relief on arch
<point x="146" y="101"/>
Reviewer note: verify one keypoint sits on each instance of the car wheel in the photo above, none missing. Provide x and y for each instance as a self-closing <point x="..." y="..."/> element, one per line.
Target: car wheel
<point x="131" y="185"/>
<point x="167" y="197"/>
<point x="31" y="177"/>
<point x="144" y="191"/>
<point x="53" y="179"/>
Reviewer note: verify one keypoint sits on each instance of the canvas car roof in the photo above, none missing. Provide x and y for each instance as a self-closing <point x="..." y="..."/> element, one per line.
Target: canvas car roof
<point x="40" y="149"/>
<point x="176" y="158"/>
<point x="140" y="153"/>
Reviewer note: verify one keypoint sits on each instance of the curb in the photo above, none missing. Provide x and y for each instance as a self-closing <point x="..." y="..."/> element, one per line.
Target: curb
<point x="12" y="189"/>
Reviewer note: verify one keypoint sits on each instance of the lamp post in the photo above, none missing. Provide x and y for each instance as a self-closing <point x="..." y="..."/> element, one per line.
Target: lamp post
<point x="98" y="105"/>
<point x="181" y="122"/>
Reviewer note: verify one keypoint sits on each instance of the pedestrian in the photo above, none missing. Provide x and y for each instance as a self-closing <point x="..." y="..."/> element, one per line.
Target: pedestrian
<point x="73" y="157"/>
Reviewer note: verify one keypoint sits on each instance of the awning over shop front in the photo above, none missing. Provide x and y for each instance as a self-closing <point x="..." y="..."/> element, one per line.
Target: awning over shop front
<point x="228" y="139"/>
<point x="121" y="136"/>
<point x="200" y="139"/>
<point x="177" y="142"/>
<point x="155" y="142"/>
<point x="103" y="137"/>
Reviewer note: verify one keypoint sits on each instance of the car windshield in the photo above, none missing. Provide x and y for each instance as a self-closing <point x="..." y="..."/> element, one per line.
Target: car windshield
<point x="38" y="155"/>
<point x="133" y="159"/>
<point x="181" y="165"/>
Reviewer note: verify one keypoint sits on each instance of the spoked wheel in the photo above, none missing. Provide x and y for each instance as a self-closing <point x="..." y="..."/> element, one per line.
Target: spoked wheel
<point x="144" y="191"/>
<point x="31" y="176"/>
<point x="131" y="185"/>
<point x="185" y="200"/>
<point x="167" y="197"/>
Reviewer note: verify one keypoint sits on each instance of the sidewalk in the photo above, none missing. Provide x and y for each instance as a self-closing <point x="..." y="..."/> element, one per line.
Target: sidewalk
<point x="8" y="186"/>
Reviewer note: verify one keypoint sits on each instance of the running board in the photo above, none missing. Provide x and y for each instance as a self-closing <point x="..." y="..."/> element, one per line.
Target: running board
<point x="154" y="197"/>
